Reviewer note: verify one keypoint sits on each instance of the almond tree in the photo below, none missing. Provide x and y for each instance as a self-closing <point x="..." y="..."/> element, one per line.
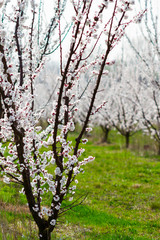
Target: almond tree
<point x="147" y="52"/>
<point x="31" y="151"/>
<point x="125" y="119"/>
<point x="121" y="109"/>
<point x="103" y="116"/>
<point x="126" y="112"/>
<point x="148" y="100"/>
<point x="104" y="120"/>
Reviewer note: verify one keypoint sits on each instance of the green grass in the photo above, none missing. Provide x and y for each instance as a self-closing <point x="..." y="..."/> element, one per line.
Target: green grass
<point x="123" y="197"/>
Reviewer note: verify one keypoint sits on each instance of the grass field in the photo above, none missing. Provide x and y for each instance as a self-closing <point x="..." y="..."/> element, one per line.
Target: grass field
<point x="122" y="190"/>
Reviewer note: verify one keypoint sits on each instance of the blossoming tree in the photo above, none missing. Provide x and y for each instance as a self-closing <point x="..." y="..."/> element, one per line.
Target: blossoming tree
<point x="126" y="111"/>
<point x="147" y="52"/>
<point x="26" y="151"/>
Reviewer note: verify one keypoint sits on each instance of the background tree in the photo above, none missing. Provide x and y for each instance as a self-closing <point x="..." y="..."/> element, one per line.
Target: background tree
<point x="146" y="51"/>
<point x="125" y="118"/>
<point x="103" y="114"/>
<point x="126" y="112"/>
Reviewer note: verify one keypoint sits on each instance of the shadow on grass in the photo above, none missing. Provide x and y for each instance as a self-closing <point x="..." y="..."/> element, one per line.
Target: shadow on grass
<point x="84" y="214"/>
<point x="117" y="236"/>
<point x="104" y="226"/>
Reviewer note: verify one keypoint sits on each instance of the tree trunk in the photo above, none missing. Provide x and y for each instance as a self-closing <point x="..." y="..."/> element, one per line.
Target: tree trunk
<point x="1" y="112"/>
<point x="107" y="130"/>
<point x="158" y="149"/>
<point x="127" y="139"/>
<point x="44" y="234"/>
<point x="106" y="133"/>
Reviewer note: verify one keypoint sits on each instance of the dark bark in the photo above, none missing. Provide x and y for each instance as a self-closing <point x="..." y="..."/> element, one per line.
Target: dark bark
<point x="107" y="130"/>
<point x="1" y="112"/>
<point x="158" y="149"/>
<point x="127" y="136"/>
<point x="106" y="134"/>
<point x="44" y="234"/>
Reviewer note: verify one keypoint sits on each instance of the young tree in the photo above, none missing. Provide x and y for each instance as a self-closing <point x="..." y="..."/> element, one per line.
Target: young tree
<point x="104" y="114"/>
<point x="148" y="54"/>
<point x="105" y="122"/>
<point x="148" y="100"/>
<point x="125" y="119"/>
<point x="31" y="150"/>
<point x="121" y="109"/>
<point x="126" y="111"/>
